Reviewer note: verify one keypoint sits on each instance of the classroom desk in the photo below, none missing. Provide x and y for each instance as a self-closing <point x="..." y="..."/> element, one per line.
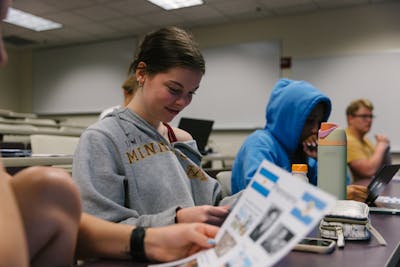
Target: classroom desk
<point x="25" y="129"/>
<point x="37" y="161"/>
<point x="67" y="159"/>
<point x="355" y="253"/>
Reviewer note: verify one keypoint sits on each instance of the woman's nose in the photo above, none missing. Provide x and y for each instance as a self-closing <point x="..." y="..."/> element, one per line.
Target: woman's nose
<point x="183" y="101"/>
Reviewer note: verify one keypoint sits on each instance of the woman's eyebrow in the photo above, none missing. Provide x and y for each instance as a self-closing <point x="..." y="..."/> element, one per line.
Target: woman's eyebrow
<point x="176" y="83"/>
<point x="181" y="85"/>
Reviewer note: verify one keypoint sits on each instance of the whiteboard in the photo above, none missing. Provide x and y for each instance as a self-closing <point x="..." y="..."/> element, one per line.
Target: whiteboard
<point x="345" y="78"/>
<point x="82" y="78"/>
<point x="87" y="78"/>
<point x="237" y="84"/>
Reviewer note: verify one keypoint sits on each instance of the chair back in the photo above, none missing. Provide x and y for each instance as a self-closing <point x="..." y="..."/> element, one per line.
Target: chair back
<point x="224" y="179"/>
<point x="53" y="144"/>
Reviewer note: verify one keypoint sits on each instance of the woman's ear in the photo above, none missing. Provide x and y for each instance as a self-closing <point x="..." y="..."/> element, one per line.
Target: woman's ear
<point x="141" y="73"/>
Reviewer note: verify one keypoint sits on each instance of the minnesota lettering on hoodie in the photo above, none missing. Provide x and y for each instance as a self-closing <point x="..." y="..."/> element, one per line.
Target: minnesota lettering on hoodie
<point x="193" y="171"/>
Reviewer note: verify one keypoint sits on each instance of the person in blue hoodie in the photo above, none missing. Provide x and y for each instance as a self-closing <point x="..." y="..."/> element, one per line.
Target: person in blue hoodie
<point x="294" y="114"/>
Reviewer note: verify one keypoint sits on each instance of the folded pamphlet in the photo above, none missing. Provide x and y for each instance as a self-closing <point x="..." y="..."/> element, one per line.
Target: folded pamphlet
<point x="274" y="213"/>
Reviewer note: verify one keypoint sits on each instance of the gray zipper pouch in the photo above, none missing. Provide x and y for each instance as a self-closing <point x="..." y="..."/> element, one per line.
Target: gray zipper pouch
<point x="349" y="220"/>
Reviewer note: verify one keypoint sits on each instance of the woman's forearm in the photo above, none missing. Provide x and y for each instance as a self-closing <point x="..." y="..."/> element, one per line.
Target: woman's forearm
<point x="100" y="238"/>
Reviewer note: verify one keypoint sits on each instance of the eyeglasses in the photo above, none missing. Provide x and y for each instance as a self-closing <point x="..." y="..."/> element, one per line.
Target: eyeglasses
<point x="364" y="116"/>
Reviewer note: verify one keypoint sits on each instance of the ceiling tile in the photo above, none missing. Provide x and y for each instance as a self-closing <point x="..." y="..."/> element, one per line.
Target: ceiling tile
<point x="198" y="13"/>
<point x="137" y="7"/>
<point x="98" y="13"/>
<point x="34" y="7"/>
<point x="274" y="4"/>
<point x="69" y="18"/>
<point x="68" y="4"/>
<point x="241" y="9"/>
<point x="126" y="24"/>
<point x="99" y="30"/>
<point x="164" y="18"/>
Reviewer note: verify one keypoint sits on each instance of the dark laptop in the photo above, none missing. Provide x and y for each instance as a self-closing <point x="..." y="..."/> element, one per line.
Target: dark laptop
<point x="199" y="129"/>
<point x="381" y="179"/>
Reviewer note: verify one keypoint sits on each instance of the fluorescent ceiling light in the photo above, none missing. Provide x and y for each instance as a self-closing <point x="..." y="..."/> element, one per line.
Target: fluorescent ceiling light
<point x="27" y="20"/>
<point x="175" y="4"/>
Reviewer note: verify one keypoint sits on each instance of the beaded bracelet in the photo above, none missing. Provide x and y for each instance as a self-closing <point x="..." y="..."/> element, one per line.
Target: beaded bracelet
<point x="137" y="244"/>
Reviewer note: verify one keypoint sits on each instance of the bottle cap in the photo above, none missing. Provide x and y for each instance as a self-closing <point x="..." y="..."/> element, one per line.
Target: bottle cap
<point x="326" y="128"/>
<point x="299" y="168"/>
<point x="330" y="134"/>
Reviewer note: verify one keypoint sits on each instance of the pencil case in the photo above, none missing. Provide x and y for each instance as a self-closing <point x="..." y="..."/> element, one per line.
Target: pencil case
<point x="349" y="220"/>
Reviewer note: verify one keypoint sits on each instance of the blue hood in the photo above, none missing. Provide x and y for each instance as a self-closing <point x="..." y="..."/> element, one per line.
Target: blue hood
<point x="289" y="105"/>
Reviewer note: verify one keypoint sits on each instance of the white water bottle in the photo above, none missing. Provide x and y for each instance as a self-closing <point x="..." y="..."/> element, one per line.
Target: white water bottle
<point x="332" y="159"/>
<point x="300" y="171"/>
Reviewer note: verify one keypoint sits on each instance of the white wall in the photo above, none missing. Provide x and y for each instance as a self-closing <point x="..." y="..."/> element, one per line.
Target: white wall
<point x="81" y="78"/>
<point x="16" y="81"/>
<point x="235" y="75"/>
<point x="375" y="76"/>
<point x="87" y="79"/>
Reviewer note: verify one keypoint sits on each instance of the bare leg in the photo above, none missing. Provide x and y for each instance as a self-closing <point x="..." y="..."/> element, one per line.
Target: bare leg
<point x="50" y="208"/>
<point x="13" y="245"/>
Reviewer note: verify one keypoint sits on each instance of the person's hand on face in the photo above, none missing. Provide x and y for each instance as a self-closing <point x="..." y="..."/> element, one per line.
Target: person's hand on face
<point x="309" y="135"/>
<point x="310" y="146"/>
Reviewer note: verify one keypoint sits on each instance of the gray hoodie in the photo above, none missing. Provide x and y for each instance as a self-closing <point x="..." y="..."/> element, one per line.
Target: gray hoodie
<point x="127" y="172"/>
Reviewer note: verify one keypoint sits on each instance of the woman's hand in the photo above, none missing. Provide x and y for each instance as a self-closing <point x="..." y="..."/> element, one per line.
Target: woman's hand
<point x="178" y="241"/>
<point x="357" y="192"/>
<point x="205" y="214"/>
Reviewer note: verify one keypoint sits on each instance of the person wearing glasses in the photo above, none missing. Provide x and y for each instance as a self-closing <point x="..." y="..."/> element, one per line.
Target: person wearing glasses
<point x="363" y="158"/>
